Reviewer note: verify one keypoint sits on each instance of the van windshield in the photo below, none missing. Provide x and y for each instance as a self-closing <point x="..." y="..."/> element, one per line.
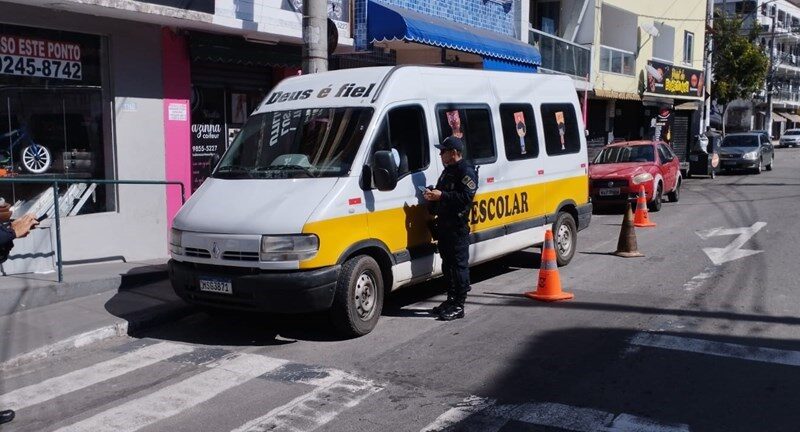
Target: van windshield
<point x="301" y="143"/>
<point x="621" y="154"/>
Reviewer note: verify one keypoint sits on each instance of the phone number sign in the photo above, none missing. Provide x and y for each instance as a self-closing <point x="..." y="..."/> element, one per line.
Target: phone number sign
<point x="24" y="56"/>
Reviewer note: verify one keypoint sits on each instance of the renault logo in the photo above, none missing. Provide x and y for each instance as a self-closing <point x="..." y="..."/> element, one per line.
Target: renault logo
<point x="215" y="251"/>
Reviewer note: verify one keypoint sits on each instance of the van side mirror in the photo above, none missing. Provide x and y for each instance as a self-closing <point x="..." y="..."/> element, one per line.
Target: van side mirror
<point x="384" y="171"/>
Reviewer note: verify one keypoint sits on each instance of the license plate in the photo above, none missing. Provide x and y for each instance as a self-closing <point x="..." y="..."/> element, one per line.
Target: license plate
<point x="221" y="286"/>
<point x="609" y="191"/>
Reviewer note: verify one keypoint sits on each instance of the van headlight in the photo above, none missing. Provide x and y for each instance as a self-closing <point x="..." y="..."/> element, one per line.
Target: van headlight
<point x="753" y="155"/>
<point x="175" y="240"/>
<point x="642" y="178"/>
<point x="289" y="248"/>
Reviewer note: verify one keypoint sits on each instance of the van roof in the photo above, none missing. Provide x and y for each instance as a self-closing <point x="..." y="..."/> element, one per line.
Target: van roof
<point x="363" y="86"/>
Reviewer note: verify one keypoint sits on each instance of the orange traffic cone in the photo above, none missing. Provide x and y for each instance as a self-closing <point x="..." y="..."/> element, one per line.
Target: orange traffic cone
<point x="642" y="218"/>
<point x="549" y="287"/>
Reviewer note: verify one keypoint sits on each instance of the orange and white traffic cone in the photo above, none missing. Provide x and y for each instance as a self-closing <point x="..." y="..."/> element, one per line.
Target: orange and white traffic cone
<point x="549" y="286"/>
<point x="642" y="219"/>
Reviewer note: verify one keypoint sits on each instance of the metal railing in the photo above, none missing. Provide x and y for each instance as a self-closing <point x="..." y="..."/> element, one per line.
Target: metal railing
<point x="561" y="55"/>
<point x="617" y="61"/>
<point x="55" y="182"/>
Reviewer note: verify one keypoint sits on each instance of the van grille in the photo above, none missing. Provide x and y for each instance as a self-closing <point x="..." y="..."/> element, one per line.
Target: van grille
<point x="240" y="256"/>
<point x="197" y="253"/>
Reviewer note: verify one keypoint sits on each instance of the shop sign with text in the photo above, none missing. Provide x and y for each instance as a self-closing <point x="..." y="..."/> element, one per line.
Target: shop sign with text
<point x="667" y="79"/>
<point x="34" y="57"/>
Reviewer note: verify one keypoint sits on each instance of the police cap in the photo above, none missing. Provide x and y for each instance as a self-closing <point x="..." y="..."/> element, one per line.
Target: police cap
<point x="451" y="143"/>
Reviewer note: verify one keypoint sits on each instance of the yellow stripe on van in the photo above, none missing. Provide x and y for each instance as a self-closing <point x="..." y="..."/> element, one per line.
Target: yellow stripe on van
<point x="401" y="228"/>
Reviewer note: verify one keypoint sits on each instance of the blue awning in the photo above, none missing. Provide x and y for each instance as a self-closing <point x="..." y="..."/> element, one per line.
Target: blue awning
<point x="392" y="23"/>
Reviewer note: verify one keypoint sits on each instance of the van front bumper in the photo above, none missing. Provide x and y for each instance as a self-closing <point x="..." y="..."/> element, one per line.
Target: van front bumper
<point x="257" y="290"/>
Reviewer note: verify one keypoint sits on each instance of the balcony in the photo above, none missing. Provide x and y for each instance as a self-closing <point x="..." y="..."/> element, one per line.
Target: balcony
<point x="560" y="55"/>
<point x="617" y="61"/>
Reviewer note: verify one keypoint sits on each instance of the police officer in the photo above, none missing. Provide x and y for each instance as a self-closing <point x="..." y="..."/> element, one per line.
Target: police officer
<point x="454" y="193"/>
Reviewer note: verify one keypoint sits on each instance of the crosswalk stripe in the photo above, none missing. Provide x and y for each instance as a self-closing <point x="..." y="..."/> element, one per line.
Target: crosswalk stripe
<point x="481" y="415"/>
<point x="337" y="392"/>
<point x="720" y="349"/>
<point x="70" y="382"/>
<point x="169" y="401"/>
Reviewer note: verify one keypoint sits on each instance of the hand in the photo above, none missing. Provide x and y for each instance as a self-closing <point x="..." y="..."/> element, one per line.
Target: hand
<point x="23" y="225"/>
<point x="432" y="195"/>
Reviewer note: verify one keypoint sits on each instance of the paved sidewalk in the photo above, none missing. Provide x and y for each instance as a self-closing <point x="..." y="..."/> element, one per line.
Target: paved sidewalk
<point x="95" y="302"/>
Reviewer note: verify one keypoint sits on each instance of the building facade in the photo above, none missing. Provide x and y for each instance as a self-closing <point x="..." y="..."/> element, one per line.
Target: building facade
<point x="778" y="24"/>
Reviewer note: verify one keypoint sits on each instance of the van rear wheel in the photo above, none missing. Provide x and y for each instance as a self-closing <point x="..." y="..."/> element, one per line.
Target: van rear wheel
<point x="565" y="236"/>
<point x="358" y="300"/>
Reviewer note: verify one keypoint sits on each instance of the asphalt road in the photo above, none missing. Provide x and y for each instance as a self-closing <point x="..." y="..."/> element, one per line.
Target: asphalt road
<point x="673" y="341"/>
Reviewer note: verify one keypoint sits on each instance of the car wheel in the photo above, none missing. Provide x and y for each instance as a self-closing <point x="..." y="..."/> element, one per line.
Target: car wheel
<point x="655" y="204"/>
<point x="760" y="167"/>
<point x="358" y="300"/>
<point x="713" y="174"/>
<point x="771" y="163"/>
<point x="36" y="159"/>
<point x="675" y="195"/>
<point x="565" y="236"/>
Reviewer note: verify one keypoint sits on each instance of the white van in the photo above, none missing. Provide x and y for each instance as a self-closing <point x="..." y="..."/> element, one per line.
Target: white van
<point x="317" y="205"/>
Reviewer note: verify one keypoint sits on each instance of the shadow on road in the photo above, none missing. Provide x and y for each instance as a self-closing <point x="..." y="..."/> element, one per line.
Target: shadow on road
<point x="600" y="369"/>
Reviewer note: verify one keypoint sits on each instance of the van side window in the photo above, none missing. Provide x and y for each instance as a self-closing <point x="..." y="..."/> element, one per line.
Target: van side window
<point x="519" y="131"/>
<point x="560" y="126"/>
<point x="404" y="130"/>
<point x="474" y="126"/>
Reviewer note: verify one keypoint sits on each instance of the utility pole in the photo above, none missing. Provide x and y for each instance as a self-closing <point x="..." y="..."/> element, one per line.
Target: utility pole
<point x="770" y="73"/>
<point x="315" y="36"/>
<point x="709" y="54"/>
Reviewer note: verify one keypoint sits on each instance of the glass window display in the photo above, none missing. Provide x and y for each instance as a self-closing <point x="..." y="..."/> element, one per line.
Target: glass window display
<point x="52" y="121"/>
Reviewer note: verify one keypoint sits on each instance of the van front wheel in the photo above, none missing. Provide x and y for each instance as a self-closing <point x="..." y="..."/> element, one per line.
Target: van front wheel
<point x="358" y="300"/>
<point x="565" y="236"/>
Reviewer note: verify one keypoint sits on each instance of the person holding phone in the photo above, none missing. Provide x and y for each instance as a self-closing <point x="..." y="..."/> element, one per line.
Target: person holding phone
<point x="454" y="193"/>
<point x="11" y="230"/>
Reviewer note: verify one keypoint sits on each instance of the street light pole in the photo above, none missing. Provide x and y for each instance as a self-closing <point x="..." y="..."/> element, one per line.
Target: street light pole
<point x="315" y="36"/>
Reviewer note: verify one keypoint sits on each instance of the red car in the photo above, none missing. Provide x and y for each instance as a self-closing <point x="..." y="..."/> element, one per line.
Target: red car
<point x="621" y="169"/>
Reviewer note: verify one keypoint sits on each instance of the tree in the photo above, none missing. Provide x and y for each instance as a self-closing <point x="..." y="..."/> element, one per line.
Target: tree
<point x="740" y="65"/>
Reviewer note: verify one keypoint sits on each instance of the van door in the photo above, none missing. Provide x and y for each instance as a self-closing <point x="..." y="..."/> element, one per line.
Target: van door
<point x="399" y="218"/>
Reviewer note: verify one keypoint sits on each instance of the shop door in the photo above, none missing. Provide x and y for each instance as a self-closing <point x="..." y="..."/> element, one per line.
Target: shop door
<point x="680" y="134"/>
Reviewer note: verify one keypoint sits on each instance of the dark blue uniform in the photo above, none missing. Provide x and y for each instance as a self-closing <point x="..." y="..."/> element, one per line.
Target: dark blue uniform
<point x="7" y="237"/>
<point x="458" y="184"/>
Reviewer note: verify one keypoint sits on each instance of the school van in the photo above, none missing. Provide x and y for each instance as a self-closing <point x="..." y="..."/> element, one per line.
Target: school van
<point x="316" y="205"/>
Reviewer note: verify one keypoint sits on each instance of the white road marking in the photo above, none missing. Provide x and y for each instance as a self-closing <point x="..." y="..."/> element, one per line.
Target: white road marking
<point x="698" y="280"/>
<point x="731" y="252"/>
<point x="70" y="382"/>
<point x="720" y="349"/>
<point x="335" y="393"/>
<point x="457" y="414"/>
<point x="169" y="401"/>
<point x="478" y="414"/>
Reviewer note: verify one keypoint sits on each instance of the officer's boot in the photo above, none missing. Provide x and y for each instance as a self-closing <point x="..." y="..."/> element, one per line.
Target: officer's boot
<point x="443" y="305"/>
<point x="454" y="311"/>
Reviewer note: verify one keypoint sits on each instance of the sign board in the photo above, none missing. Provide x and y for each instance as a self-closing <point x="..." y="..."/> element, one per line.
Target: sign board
<point x="671" y="80"/>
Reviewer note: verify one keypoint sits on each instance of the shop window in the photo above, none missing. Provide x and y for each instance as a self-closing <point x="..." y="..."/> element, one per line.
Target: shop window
<point x="519" y="131"/>
<point x="560" y="126"/>
<point x="473" y="124"/>
<point x="52" y="119"/>
<point x="405" y="131"/>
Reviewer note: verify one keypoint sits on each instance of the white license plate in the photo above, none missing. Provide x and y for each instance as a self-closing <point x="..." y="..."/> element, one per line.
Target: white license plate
<point x="221" y="286"/>
<point x="609" y="191"/>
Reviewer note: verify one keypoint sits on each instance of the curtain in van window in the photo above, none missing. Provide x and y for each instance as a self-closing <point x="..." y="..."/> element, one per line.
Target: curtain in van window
<point x="474" y="127"/>
<point x="560" y="125"/>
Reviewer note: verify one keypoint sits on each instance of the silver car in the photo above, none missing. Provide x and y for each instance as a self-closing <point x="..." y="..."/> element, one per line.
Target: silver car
<point x="790" y="138"/>
<point x="749" y="150"/>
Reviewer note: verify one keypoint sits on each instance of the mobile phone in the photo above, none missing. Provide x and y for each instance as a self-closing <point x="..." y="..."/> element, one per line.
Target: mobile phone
<point x="422" y="188"/>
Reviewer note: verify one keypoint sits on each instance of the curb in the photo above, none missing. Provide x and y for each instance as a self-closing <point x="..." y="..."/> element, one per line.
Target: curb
<point x="123" y="327"/>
